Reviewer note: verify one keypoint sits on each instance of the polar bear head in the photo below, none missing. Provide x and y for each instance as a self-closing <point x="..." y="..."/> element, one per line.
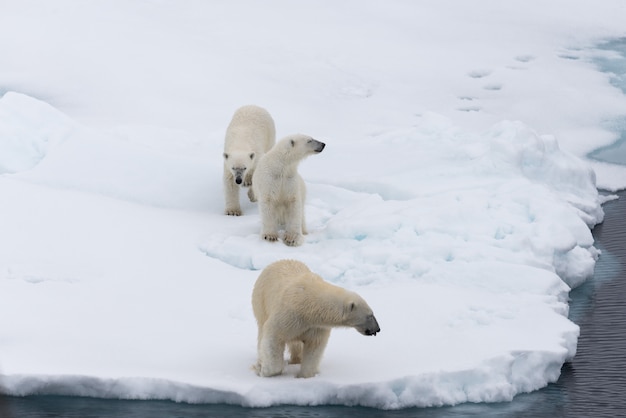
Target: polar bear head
<point x="358" y="314"/>
<point x="296" y="147"/>
<point x="239" y="164"/>
<point x="305" y="145"/>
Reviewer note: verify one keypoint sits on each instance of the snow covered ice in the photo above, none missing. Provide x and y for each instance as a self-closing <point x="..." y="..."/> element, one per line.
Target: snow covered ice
<point x="454" y="194"/>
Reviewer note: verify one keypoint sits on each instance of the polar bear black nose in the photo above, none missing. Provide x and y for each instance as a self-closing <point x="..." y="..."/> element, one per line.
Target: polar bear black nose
<point x="238" y="180"/>
<point x="374" y="327"/>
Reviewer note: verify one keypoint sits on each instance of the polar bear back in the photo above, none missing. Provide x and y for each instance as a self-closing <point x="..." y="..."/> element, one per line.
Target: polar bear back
<point x="289" y="290"/>
<point x="269" y="291"/>
<point x="251" y="128"/>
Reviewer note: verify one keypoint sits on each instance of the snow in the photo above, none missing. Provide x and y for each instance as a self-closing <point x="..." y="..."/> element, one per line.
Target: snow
<point x="454" y="193"/>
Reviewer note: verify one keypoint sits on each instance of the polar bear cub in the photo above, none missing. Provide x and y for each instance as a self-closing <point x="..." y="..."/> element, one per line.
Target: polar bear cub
<point x="295" y="307"/>
<point x="281" y="191"/>
<point x="250" y="134"/>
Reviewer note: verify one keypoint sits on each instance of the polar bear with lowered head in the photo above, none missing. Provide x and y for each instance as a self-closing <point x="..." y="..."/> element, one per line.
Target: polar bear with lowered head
<point x="250" y="134"/>
<point x="281" y="191"/>
<point x="295" y="307"/>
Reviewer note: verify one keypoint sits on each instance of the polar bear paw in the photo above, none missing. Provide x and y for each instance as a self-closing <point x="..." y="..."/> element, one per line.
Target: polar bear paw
<point x="270" y="237"/>
<point x="293" y="239"/>
<point x="263" y="370"/>
<point x="306" y="373"/>
<point x="233" y="212"/>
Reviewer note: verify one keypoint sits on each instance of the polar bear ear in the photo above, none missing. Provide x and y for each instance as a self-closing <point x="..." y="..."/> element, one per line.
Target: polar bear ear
<point x="252" y="156"/>
<point x="348" y="308"/>
<point x="225" y="156"/>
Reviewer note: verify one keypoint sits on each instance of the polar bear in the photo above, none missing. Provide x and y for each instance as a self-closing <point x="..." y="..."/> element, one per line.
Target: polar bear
<point x="250" y="134"/>
<point x="295" y="307"/>
<point x="280" y="189"/>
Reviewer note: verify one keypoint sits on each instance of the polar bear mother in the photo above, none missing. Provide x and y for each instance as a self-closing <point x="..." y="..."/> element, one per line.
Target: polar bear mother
<point x="281" y="191"/>
<point x="250" y="134"/>
<point x="295" y="307"/>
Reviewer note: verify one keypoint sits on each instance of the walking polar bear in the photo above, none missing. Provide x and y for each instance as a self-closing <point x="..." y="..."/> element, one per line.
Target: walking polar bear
<point x="250" y="134"/>
<point x="280" y="190"/>
<point x="295" y="307"/>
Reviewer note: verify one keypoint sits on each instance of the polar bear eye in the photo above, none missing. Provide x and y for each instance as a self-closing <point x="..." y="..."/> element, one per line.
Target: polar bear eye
<point x="252" y="156"/>
<point x="352" y="306"/>
<point x="225" y="156"/>
<point x="293" y="143"/>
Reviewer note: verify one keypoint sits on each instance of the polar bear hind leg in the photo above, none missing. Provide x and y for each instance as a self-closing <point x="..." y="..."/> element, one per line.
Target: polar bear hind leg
<point x="295" y="351"/>
<point x="271" y="360"/>
<point x="312" y="351"/>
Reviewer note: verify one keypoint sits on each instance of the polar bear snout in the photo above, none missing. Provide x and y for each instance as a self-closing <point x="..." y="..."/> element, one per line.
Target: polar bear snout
<point x="369" y="332"/>
<point x="238" y="174"/>
<point x="316" y="145"/>
<point x="370" y="327"/>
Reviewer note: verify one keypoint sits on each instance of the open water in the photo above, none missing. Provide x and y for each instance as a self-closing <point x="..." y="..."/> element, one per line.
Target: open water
<point x="592" y="385"/>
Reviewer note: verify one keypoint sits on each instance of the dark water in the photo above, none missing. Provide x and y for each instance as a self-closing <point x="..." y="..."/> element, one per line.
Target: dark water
<point x="592" y="385"/>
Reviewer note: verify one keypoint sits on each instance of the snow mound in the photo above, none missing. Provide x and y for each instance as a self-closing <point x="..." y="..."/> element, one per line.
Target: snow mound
<point x="28" y="128"/>
<point x="458" y="198"/>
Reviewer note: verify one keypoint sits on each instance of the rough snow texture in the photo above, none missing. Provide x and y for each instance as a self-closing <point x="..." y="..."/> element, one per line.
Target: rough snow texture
<point x="462" y="227"/>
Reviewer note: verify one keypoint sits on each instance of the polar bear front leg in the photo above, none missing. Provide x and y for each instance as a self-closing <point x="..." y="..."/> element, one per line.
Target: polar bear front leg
<point x="304" y="230"/>
<point x="302" y="200"/>
<point x="251" y="195"/>
<point x="312" y="352"/>
<point x="247" y="179"/>
<point x="293" y="224"/>
<point x="269" y="230"/>
<point x="231" y="196"/>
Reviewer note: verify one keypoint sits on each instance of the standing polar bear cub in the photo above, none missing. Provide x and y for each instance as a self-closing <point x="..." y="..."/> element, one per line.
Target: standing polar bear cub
<point x="280" y="190"/>
<point x="250" y="134"/>
<point x="295" y="307"/>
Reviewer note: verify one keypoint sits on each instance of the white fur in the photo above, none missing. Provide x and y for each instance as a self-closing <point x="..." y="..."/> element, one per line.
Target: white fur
<point x="250" y="134"/>
<point x="281" y="190"/>
<point x="295" y="307"/>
